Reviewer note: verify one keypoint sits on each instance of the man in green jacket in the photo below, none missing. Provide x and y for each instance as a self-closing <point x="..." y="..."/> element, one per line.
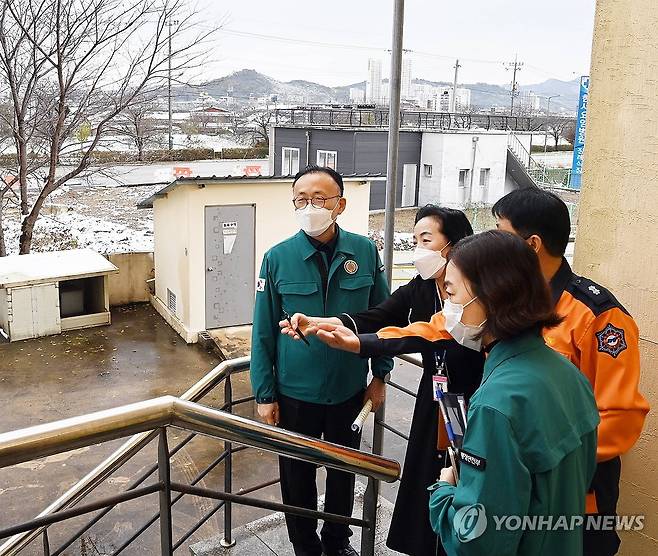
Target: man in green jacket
<point x="310" y="388"/>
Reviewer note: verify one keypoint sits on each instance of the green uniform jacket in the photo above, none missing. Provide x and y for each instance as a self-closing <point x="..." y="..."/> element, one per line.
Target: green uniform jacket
<point x="529" y="450"/>
<point x="290" y="280"/>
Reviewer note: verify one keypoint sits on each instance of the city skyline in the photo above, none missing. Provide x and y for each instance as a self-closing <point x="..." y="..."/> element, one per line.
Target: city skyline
<point x="284" y="42"/>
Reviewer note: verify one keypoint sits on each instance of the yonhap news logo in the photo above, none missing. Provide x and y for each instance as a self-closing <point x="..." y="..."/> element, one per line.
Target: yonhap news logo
<point x="470" y="522"/>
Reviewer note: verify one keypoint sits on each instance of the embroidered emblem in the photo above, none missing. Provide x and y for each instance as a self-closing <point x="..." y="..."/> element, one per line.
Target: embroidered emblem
<point x="351" y="267"/>
<point x="260" y="285"/>
<point x="594" y="290"/>
<point x="473" y="461"/>
<point x="612" y="340"/>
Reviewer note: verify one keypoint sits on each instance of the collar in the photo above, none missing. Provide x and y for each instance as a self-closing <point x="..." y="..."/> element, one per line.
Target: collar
<point x="308" y="250"/>
<point x="506" y="349"/>
<point x="328" y="247"/>
<point x="560" y="281"/>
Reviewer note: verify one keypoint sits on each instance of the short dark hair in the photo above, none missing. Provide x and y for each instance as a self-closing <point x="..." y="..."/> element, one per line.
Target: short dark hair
<point x="454" y="224"/>
<point x="505" y="276"/>
<point x="315" y="169"/>
<point x="534" y="211"/>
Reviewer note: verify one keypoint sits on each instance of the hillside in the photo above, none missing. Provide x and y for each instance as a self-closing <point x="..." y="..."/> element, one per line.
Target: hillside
<point x="248" y="83"/>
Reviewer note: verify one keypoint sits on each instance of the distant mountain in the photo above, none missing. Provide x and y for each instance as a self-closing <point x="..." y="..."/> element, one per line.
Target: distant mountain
<point x="249" y="84"/>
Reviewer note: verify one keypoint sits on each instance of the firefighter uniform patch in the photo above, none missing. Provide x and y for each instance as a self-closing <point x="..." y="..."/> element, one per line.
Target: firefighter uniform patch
<point x="612" y="340"/>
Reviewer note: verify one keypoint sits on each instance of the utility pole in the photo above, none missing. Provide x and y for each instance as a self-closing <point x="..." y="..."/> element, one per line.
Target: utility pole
<point x="515" y="66"/>
<point x="371" y="496"/>
<point x="548" y="114"/>
<point x="171" y="135"/>
<point x="453" y="103"/>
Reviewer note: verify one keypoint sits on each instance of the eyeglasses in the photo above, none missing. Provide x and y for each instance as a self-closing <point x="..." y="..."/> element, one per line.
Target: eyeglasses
<point x="317" y="202"/>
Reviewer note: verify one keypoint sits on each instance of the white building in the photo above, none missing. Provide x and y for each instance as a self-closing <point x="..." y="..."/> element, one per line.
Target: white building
<point x="357" y="96"/>
<point x="528" y="102"/>
<point x="460" y="168"/>
<point x="462" y="100"/>
<point x="406" y="89"/>
<point x="374" y="81"/>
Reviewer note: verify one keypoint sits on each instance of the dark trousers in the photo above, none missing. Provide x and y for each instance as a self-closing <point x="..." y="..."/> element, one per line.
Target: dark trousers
<point x="298" y="487"/>
<point x="606" y="487"/>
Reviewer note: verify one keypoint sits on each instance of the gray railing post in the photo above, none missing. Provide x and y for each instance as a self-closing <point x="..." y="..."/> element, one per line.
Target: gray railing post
<point x="166" y="537"/>
<point x="46" y="543"/>
<point x="228" y="541"/>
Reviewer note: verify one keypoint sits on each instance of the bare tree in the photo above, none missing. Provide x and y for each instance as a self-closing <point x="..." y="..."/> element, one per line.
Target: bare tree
<point x="556" y="126"/>
<point x="66" y="62"/>
<point x="254" y="126"/>
<point x="137" y="126"/>
<point x="569" y="132"/>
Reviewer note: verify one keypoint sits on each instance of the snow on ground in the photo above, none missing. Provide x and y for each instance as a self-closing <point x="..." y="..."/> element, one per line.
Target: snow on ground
<point x="104" y="219"/>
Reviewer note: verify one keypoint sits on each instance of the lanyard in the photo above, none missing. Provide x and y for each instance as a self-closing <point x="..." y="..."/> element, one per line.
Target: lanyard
<point x="440" y="365"/>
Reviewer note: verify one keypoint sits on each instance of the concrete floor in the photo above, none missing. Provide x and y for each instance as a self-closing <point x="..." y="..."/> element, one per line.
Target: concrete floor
<point x="138" y="357"/>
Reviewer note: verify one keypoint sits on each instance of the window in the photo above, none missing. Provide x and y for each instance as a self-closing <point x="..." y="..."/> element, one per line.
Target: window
<point x="171" y="301"/>
<point x="484" y="177"/>
<point x="464" y="176"/>
<point x="427" y="170"/>
<point x="328" y="159"/>
<point x="290" y="161"/>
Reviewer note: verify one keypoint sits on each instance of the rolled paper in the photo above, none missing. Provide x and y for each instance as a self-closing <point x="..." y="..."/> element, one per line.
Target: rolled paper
<point x="362" y="416"/>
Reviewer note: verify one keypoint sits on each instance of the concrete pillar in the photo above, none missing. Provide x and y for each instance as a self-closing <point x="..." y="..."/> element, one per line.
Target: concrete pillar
<point x="617" y="238"/>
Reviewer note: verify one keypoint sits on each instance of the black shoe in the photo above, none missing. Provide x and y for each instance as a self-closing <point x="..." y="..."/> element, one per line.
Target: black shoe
<point x="347" y="550"/>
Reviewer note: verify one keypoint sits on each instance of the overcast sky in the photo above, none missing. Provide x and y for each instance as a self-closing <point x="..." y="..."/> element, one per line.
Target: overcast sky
<point x="330" y="42"/>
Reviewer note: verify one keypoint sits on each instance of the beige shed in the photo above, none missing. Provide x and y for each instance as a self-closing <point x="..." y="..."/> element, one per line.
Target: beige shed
<point x="210" y="237"/>
<point x="47" y="293"/>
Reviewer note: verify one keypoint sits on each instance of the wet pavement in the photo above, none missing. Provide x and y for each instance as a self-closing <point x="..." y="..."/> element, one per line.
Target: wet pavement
<point x="138" y="357"/>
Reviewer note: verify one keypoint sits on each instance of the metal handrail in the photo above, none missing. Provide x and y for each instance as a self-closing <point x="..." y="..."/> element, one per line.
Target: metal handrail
<point x="77" y="432"/>
<point x="120" y="456"/>
<point x="67" y="434"/>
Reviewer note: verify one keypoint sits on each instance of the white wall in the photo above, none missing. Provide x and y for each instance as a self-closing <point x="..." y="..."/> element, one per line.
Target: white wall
<point x="448" y="153"/>
<point x="171" y="249"/>
<point x="180" y="233"/>
<point x="4" y="310"/>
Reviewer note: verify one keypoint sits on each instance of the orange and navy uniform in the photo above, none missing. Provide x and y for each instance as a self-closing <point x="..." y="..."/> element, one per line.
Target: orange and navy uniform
<point x="601" y="338"/>
<point x="597" y="335"/>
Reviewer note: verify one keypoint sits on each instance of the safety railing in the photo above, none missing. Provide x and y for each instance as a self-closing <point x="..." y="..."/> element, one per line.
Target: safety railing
<point x="149" y="419"/>
<point x="377" y="117"/>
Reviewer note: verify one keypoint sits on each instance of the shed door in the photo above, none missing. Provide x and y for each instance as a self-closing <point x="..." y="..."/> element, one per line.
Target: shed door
<point x="230" y="259"/>
<point x="35" y="311"/>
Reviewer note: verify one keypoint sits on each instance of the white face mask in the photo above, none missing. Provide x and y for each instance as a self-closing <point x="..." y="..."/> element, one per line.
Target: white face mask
<point x="428" y="262"/>
<point x="315" y="221"/>
<point x="462" y="333"/>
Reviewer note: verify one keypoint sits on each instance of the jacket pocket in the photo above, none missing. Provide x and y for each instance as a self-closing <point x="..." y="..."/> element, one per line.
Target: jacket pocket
<point x="356" y="282"/>
<point x="300" y="297"/>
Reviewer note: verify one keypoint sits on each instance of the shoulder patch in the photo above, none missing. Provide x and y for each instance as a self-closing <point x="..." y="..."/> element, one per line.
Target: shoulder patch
<point x="593" y="295"/>
<point x="611" y="340"/>
<point x="473" y="460"/>
<point x="260" y="285"/>
<point x="593" y="291"/>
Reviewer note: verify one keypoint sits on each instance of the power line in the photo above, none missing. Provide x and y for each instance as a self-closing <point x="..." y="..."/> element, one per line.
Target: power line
<point x="515" y="66"/>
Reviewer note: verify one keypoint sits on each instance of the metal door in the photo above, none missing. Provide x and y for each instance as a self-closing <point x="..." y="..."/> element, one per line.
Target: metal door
<point x="230" y="253"/>
<point x="409" y="185"/>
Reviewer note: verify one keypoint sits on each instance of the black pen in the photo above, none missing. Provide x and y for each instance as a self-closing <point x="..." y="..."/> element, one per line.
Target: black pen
<point x="297" y="330"/>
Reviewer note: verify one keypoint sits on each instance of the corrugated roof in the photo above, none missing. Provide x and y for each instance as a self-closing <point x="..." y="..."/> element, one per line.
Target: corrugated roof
<point x="148" y="202"/>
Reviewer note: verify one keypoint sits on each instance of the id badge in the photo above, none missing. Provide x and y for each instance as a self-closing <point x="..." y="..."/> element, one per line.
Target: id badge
<point x="439" y="386"/>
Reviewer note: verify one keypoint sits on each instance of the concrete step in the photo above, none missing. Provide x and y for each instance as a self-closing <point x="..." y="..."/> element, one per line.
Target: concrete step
<point x="268" y="536"/>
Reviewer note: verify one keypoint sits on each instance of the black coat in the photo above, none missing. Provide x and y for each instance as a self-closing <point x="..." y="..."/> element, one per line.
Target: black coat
<point x="410" y="531"/>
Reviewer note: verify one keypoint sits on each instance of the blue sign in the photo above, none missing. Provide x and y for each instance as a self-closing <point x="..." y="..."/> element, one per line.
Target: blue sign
<point x="579" y="140"/>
